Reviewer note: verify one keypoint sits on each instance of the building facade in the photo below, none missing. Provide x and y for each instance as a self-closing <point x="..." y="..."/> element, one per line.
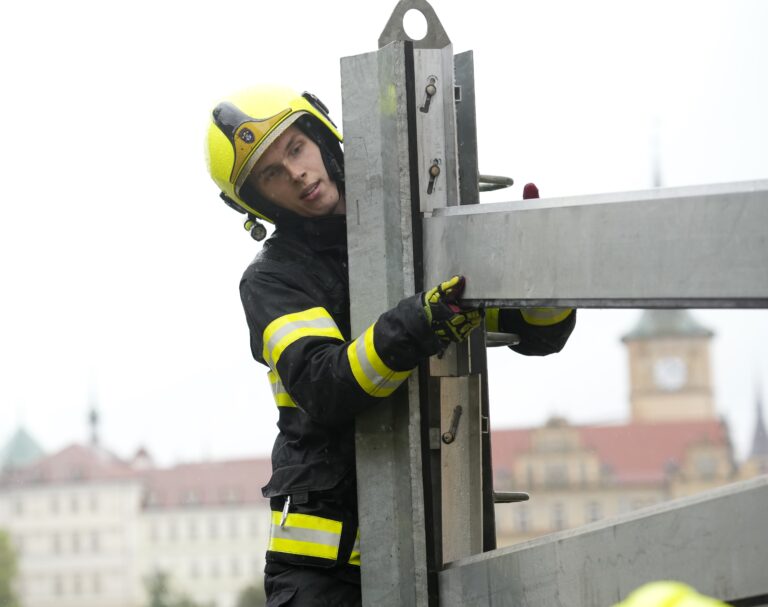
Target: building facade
<point x="91" y="529"/>
<point x="673" y="444"/>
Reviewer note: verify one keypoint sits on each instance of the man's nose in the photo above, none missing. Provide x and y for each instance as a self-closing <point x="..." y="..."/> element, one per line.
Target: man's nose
<point x="295" y="171"/>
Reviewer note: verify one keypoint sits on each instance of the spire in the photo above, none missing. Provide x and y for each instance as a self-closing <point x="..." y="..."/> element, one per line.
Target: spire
<point x="760" y="440"/>
<point x="93" y="422"/>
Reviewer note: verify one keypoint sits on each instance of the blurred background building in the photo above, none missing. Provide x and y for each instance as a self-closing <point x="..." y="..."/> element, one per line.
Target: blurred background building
<point x="92" y="529"/>
<point x="673" y="444"/>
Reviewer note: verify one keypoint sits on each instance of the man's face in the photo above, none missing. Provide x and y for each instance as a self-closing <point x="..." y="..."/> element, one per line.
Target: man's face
<point x="291" y="174"/>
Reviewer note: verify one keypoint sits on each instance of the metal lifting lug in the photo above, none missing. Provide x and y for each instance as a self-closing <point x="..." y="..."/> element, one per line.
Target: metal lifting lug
<point x="394" y="31"/>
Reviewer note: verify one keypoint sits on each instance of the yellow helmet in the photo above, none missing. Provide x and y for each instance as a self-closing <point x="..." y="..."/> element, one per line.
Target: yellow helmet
<point x="244" y="125"/>
<point x="668" y="594"/>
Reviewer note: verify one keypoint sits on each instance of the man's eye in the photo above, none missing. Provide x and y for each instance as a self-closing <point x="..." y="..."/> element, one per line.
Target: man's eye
<point x="296" y="149"/>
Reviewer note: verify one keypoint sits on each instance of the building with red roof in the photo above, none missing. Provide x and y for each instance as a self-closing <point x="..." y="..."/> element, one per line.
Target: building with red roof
<point x="672" y="445"/>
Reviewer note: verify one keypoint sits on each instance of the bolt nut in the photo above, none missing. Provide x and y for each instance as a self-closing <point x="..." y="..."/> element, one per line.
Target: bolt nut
<point x="434" y="170"/>
<point x="431" y="89"/>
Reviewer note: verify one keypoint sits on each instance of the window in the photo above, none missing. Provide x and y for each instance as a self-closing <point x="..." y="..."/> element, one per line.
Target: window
<point x="94" y="502"/>
<point x="706" y="467"/>
<point x="58" y="585"/>
<point x="171" y="531"/>
<point x="192" y="529"/>
<point x="77" y="584"/>
<point x="74" y="504"/>
<point x="213" y="529"/>
<point x="234" y="568"/>
<point x="96" y="583"/>
<point x="558" y="516"/>
<point x="522" y="517"/>
<point x="56" y="544"/>
<point x="594" y="512"/>
<point x="194" y="570"/>
<point x="54" y="505"/>
<point x="95" y="541"/>
<point x="233" y="527"/>
<point x="556" y="475"/>
<point x="255" y="528"/>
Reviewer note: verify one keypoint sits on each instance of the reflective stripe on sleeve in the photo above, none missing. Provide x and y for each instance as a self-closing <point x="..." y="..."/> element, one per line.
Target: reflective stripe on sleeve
<point x="543" y="317"/>
<point x="283" y="331"/>
<point x="282" y="398"/>
<point x="354" y="558"/>
<point x="373" y="375"/>
<point x="492" y="320"/>
<point x="305" y="535"/>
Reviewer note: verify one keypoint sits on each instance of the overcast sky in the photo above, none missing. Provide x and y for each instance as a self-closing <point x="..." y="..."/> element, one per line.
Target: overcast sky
<point x="120" y="265"/>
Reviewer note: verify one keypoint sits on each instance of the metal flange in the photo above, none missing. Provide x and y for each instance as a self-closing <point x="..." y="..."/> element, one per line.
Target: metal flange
<point x="394" y="31"/>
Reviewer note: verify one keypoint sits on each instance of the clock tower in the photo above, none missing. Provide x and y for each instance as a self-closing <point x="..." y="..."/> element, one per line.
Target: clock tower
<point x="669" y="369"/>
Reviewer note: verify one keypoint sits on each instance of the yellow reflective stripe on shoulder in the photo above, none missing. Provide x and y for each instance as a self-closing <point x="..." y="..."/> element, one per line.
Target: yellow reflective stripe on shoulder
<point x="305" y="535"/>
<point x="373" y="375"/>
<point x="544" y="317"/>
<point x="282" y="398"/>
<point x="283" y="331"/>
<point x="492" y="320"/>
<point x="354" y="558"/>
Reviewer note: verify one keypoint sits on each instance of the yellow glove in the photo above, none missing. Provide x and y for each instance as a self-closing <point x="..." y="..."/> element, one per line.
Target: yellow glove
<point x="449" y="321"/>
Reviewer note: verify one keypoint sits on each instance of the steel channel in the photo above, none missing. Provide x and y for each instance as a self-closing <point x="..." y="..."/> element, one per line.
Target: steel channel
<point x="716" y="541"/>
<point x="699" y="246"/>
<point x="381" y="272"/>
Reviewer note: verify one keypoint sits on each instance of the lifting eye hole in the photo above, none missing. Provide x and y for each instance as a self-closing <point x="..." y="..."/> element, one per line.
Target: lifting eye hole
<point x="415" y="24"/>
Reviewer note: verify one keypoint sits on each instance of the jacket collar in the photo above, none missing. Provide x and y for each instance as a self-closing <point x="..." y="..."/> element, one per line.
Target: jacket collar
<point x="320" y="233"/>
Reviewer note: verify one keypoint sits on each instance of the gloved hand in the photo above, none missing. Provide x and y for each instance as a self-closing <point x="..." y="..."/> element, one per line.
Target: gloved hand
<point x="450" y="322"/>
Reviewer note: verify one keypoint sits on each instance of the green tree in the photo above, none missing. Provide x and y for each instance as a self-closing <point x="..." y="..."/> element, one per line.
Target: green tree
<point x="159" y="589"/>
<point x="252" y="596"/>
<point x="160" y="594"/>
<point x="8" y="570"/>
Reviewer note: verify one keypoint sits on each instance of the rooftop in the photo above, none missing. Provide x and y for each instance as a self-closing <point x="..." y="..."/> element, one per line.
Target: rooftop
<point x="666" y="323"/>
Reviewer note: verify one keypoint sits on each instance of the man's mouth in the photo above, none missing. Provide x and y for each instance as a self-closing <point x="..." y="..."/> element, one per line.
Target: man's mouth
<point x="309" y="192"/>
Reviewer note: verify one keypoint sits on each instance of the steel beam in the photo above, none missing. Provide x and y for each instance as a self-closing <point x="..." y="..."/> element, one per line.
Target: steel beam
<point x="716" y="541"/>
<point x="379" y="171"/>
<point x="699" y="246"/>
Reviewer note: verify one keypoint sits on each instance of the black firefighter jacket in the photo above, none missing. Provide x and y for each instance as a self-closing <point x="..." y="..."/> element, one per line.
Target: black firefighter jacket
<point x="296" y="299"/>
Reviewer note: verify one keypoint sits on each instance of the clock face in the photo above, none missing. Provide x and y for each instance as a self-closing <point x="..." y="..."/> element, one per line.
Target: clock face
<point x="670" y="373"/>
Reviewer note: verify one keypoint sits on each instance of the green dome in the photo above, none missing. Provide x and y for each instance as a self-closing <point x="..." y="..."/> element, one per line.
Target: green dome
<point x="19" y="451"/>
<point x="666" y="323"/>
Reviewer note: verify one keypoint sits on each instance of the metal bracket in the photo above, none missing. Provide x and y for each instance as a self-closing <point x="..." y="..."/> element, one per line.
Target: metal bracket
<point x="510" y="497"/>
<point x="494" y="339"/>
<point x="394" y="31"/>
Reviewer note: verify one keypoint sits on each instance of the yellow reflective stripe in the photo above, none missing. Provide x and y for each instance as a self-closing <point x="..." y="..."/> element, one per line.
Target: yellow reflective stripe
<point x="354" y="558"/>
<point x="543" y="317"/>
<point x="306" y="535"/>
<point x="492" y="319"/>
<point x="373" y="375"/>
<point x="282" y="398"/>
<point x="283" y="331"/>
<point x="307" y="521"/>
<point x="304" y="548"/>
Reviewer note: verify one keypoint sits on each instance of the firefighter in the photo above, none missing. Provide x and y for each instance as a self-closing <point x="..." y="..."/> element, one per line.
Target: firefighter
<point x="276" y="157"/>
